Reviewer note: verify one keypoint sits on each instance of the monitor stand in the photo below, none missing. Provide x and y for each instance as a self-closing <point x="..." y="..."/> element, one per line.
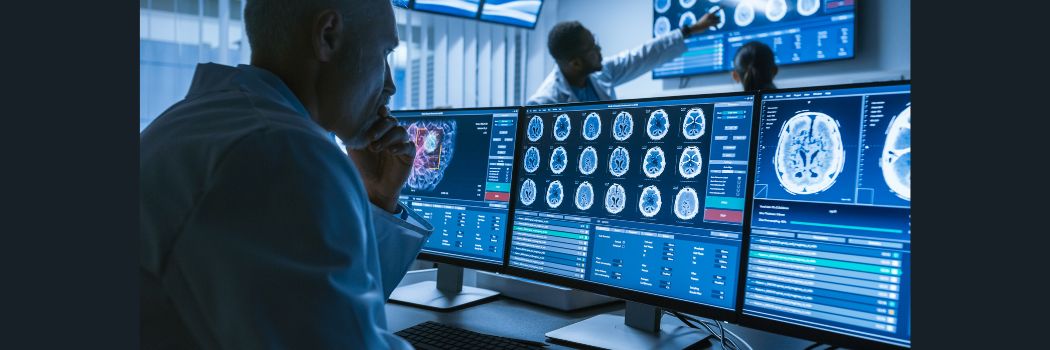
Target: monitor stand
<point x="446" y="294"/>
<point x="639" y="328"/>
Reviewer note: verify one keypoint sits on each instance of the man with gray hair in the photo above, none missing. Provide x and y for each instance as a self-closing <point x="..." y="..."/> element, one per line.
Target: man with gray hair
<point x="258" y="230"/>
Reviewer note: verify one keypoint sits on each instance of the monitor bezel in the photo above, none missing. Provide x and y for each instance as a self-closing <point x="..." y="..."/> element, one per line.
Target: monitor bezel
<point x="460" y="261"/>
<point x="620" y="292"/>
<point x="783" y="327"/>
<point x="856" y="46"/>
<point x="481" y="12"/>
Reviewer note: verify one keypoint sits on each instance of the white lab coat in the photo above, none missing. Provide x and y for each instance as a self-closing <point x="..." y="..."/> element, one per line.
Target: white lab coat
<point x="255" y="228"/>
<point x="616" y="70"/>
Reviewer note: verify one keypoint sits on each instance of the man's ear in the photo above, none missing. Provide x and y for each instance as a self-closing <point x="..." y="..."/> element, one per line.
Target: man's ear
<point x="327" y="35"/>
<point x="736" y="76"/>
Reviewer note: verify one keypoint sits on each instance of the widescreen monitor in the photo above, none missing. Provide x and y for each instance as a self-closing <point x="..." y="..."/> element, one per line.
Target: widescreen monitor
<point x="458" y="8"/>
<point x="520" y="13"/>
<point x="460" y="181"/>
<point x="798" y="31"/>
<point x="830" y="244"/>
<point x="638" y="199"/>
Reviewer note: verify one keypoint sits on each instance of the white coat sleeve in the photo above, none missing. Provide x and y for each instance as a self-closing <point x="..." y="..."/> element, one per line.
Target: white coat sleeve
<point x="281" y="252"/>
<point x="632" y="63"/>
<point x="399" y="243"/>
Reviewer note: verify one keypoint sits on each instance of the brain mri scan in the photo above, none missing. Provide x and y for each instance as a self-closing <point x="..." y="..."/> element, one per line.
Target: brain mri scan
<point x="721" y="17"/>
<point x="686" y="203"/>
<point x="744" y="14"/>
<point x="776" y="9"/>
<point x="662" y="6"/>
<point x="649" y="202"/>
<point x="653" y="163"/>
<point x="807" y="7"/>
<point x="535" y="129"/>
<point x="588" y="161"/>
<point x="693" y="124"/>
<point x="687" y="19"/>
<point x="690" y="163"/>
<point x="528" y="192"/>
<point x="531" y="159"/>
<point x="555" y="193"/>
<point x="592" y="126"/>
<point x="687" y="3"/>
<point x="657" y="125"/>
<point x="623" y="126"/>
<point x="562" y="127"/>
<point x="619" y="161"/>
<point x="661" y="26"/>
<point x="435" y="141"/>
<point x="896" y="155"/>
<point x="615" y="199"/>
<point x="584" y="196"/>
<point x="809" y="154"/>
<point x="559" y="160"/>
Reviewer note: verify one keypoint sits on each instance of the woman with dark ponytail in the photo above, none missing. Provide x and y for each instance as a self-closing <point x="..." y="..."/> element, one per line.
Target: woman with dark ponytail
<point x="754" y="67"/>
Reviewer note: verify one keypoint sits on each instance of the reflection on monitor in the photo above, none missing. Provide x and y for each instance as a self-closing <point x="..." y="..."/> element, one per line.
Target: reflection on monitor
<point x="521" y="13"/>
<point x="459" y="8"/>
<point x="831" y="225"/>
<point x="460" y="180"/>
<point x="400" y="3"/>
<point x="646" y="196"/>
<point x="798" y="31"/>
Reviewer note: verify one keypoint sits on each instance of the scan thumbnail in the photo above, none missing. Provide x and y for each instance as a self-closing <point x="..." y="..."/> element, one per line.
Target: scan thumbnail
<point x="896" y="155"/>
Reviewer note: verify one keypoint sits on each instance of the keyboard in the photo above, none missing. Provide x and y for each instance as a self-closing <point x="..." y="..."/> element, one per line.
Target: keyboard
<point x="431" y="335"/>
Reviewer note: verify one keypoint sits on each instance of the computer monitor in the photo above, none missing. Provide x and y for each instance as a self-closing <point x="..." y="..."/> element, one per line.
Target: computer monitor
<point x="638" y="199"/>
<point x="798" y="31"/>
<point x="458" y="8"/>
<point x="519" y="13"/>
<point x="830" y="243"/>
<point x="460" y="182"/>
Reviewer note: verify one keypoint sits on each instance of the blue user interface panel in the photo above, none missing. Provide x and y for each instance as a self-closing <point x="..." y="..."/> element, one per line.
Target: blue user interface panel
<point x="459" y="8"/>
<point x="831" y="224"/>
<point x="521" y="13"/>
<point x="461" y="177"/>
<point x="645" y="196"/>
<point x="797" y="30"/>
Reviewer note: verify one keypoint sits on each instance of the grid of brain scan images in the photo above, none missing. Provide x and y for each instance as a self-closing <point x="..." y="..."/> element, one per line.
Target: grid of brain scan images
<point x="644" y="195"/>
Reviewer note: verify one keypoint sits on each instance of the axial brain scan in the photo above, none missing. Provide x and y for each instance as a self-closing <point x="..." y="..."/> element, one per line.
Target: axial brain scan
<point x="528" y="192"/>
<point x="615" y="199"/>
<point x="592" y="126"/>
<point x="649" y="202"/>
<point x="657" y="125"/>
<point x="619" y="161"/>
<point x="686" y="203"/>
<point x="662" y="6"/>
<point x="588" y="161"/>
<point x="584" y="196"/>
<point x="744" y="14"/>
<point x="559" y="160"/>
<point x="555" y="193"/>
<point x="690" y="163"/>
<point x="807" y="7"/>
<point x="687" y="19"/>
<point x="535" y="129"/>
<point x="776" y="9"/>
<point x="653" y="163"/>
<point x="693" y="124"/>
<point x="896" y="155"/>
<point x="435" y="141"/>
<point x="623" y="126"/>
<point x="721" y="17"/>
<point x="687" y="3"/>
<point x="809" y="155"/>
<point x="562" y="127"/>
<point x="531" y="159"/>
<point x="661" y="26"/>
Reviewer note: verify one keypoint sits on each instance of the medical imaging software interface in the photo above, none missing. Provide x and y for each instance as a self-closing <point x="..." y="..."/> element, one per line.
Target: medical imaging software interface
<point x="646" y="196"/>
<point x="461" y="178"/>
<point x="831" y="223"/>
<point x="797" y="30"/>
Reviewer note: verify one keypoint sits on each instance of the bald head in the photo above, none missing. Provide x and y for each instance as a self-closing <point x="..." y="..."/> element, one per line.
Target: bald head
<point x="276" y="28"/>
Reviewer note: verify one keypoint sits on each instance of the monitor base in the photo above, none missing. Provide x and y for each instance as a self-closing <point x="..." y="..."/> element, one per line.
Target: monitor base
<point x="447" y="293"/>
<point x="629" y="332"/>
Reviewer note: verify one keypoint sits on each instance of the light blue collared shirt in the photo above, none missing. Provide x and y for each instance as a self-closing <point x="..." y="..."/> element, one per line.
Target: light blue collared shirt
<point x="256" y="231"/>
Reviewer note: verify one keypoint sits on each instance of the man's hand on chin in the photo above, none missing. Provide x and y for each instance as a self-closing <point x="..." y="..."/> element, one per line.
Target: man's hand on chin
<point x="384" y="162"/>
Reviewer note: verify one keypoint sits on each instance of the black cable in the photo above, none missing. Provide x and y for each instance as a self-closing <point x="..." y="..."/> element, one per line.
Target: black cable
<point x="813" y="346"/>
<point x="723" y="339"/>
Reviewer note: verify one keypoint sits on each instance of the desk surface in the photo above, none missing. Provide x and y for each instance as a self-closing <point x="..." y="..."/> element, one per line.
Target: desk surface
<point x="516" y="319"/>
